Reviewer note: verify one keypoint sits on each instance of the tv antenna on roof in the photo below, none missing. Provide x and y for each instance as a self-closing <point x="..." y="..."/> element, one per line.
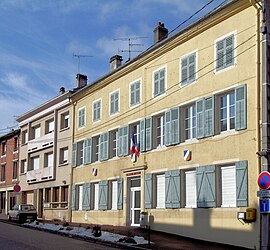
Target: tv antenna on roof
<point x="79" y="60"/>
<point x="131" y="44"/>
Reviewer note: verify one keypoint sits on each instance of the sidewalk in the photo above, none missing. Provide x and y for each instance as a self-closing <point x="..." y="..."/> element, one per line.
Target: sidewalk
<point x="160" y="241"/>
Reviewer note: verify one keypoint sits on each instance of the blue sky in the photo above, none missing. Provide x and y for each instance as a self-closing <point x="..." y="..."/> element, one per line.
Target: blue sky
<point x="38" y="39"/>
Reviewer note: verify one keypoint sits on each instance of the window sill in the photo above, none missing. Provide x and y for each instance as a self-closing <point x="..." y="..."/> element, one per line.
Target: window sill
<point x="63" y="164"/>
<point x="23" y="173"/>
<point x="3" y="156"/>
<point x="159" y="96"/>
<point x="64" y="129"/>
<point x="217" y="71"/>
<point x="159" y="148"/>
<point x="2" y="182"/>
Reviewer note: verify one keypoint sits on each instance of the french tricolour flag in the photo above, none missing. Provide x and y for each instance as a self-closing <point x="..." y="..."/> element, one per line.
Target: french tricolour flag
<point x="134" y="149"/>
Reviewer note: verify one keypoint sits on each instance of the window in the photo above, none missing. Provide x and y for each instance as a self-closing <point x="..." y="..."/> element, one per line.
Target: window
<point x="34" y="163"/>
<point x="104" y="146"/>
<point x="190" y="122"/>
<point x="159" y="82"/>
<point x="3" y="172"/>
<point x="81" y="118"/>
<point x="96" y="148"/>
<point x="24" y="137"/>
<point x="190" y="189"/>
<point x="160" y="191"/>
<point x="80" y="196"/>
<point x="114" y="195"/>
<point x="135" y="128"/>
<point x="228" y="186"/>
<point x="56" y="194"/>
<point x="135" y="92"/>
<point x="63" y="155"/>
<point x="114" y="103"/>
<point x="35" y="132"/>
<point x="23" y="166"/>
<point x="49" y="126"/>
<point x="145" y="134"/>
<point x="65" y="120"/>
<point x="48" y="160"/>
<point x="64" y="194"/>
<point x="188" y="69"/>
<point x="47" y="194"/>
<point x="4" y="148"/>
<point x="225" y="53"/>
<point x="158" y="131"/>
<point x="80" y="153"/>
<point x="123" y="141"/>
<point x="172" y="135"/>
<point x="96" y="195"/>
<point x="113" y="148"/>
<point x="15" y="170"/>
<point x="227" y="112"/>
<point x="16" y="144"/>
<point x="97" y="110"/>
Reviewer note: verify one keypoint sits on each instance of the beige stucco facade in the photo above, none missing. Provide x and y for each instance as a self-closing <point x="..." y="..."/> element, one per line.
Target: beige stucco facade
<point x="45" y="159"/>
<point x="218" y="223"/>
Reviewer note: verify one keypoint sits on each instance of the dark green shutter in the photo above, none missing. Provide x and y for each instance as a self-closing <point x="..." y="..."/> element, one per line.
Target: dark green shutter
<point x="206" y="186"/>
<point x="103" y="195"/>
<point x="241" y="183"/>
<point x="172" y="189"/>
<point x="73" y="197"/>
<point x="200" y="118"/>
<point x="86" y="197"/>
<point x="148" y="190"/>
<point x="209" y="116"/>
<point x="148" y="133"/>
<point x="120" y="194"/>
<point x="74" y="155"/>
<point x="142" y="135"/>
<point x="240" y="107"/>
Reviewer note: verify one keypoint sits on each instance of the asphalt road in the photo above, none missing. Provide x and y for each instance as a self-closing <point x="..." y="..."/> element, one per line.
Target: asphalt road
<point x="15" y="237"/>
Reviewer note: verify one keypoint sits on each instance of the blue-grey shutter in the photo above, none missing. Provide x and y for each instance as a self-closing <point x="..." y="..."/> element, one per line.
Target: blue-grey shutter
<point x="168" y="128"/>
<point x="175" y="126"/>
<point x="220" y="50"/>
<point x="184" y="71"/>
<point x="200" y="118"/>
<point x="120" y="194"/>
<point x="73" y="197"/>
<point x="74" y="155"/>
<point x="172" y="189"/>
<point x="229" y="58"/>
<point x="87" y="151"/>
<point x="104" y="146"/>
<point x="192" y="67"/>
<point x="103" y="195"/>
<point x="148" y="190"/>
<point x="209" y="116"/>
<point x="86" y="197"/>
<point x="241" y="183"/>
<point x="148" y="133"/>
<point x="206" y="186"/>
<point x="142" y="135"/>
<point x="123" y="141"/>
<point x="240" y="107"/>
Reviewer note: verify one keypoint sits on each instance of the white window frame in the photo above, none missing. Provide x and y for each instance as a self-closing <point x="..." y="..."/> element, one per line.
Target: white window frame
<point x="63" y="155"/>
<point x="110" y="96"/>
<point x="228" y="188"/>
<point x="114" y="193"/>
<point x="135" y="104"/>
<point x="227" y="113"/>
<point x="35" y="162"/>
<point x="24" y="136"/>
<point x="50" y="126"/>
<point x="196" y="68"/>
<point x="37" y="130"/>
<point x="160" y="191"/>
<point x="79" y="117"/>
<point x="80" y="197"/>
<point x="165" y="82"/>
<point x="96" y="195"/>
<point x="234" y="48"/>
<point x="190" y="178"/>
<point x="80" y="152"/>
<point x="65" y="117"/>
<point x="48" y="159"/>
<point x="191" y="118"/>
<point x="94" y="110"/>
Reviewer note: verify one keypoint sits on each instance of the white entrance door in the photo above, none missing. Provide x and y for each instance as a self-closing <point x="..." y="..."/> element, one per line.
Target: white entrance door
<point x="135" y="205"/>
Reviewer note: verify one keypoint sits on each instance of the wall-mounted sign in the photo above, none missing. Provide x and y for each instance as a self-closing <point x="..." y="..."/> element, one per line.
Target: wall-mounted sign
<point x="133" y="173"/>
<point x="187" y="155"/>
<point x="264" y="180"/>
<point x="94" y="171"/>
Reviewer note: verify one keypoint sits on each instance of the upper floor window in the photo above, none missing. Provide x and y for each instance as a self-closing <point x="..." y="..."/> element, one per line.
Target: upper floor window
<point x="81" y="117"/>
<point x="227" y="112"/>
<point x="65" y="120"/>
<point x="135" y="92"/>
<point x="96" y="148"/>
<point x="97" y="110"/>
<point x="24" y="136"/>
<point x="190" y="122"/>
<point x="159" y="82"/>
<point x="114" y="103"/>
<point x="49" y="126"/>
<point x="35" y="132"/>
<point x="188" y="69"/>
<point x="63" y="155"/>
<point x="4" y="148"/>
<point x="35" y="163"/>
<point x="3" y="172"/>
<point x="48" y="160"/>
<point x="23" y="166"/>
<point x="225" y="52"/>
<point x="15" y="170"/>
<point x="190" y="189"/>
<point x="16" y="144"/>
<point x="113" y="144"/>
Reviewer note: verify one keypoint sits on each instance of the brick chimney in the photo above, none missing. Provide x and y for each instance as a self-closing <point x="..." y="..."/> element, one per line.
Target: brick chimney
<point x="160" y="32"/>
<point x="81" y="80"/>
<point x="115" y="62"/>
